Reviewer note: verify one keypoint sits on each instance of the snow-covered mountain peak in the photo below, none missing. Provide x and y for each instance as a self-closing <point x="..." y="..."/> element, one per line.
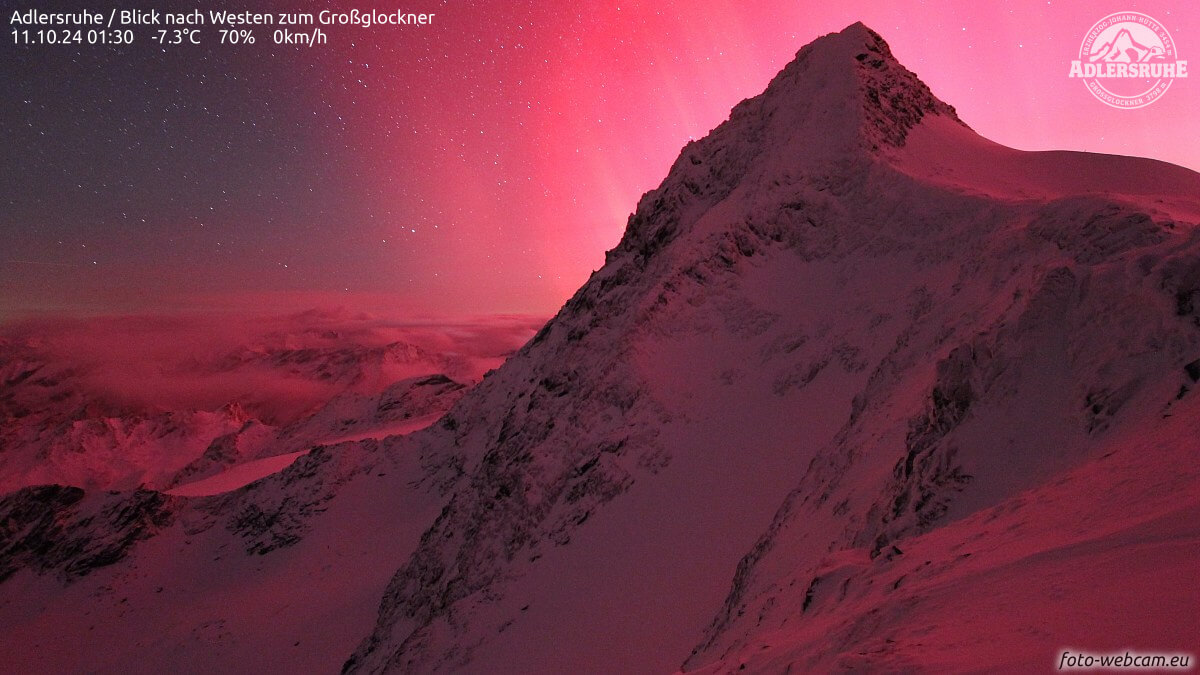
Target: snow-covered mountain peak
<point x="821" y="290"/>
<point x="844" y="92"/>
<point x="855" y="73"/>
<point x="850" y="364"/>
<point x="842" y="108"/>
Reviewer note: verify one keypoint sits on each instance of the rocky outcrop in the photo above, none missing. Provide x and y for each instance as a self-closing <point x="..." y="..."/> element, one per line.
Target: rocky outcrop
<point x="60" y="529"/>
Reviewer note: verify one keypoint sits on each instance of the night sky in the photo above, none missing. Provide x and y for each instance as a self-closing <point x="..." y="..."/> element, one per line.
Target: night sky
<point x="482" y="164"/>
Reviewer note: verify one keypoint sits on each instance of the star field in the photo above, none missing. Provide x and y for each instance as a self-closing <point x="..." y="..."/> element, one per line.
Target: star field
<point x="481" y="164"/>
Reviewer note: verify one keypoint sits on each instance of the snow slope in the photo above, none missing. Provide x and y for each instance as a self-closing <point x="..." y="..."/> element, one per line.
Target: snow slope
<point x="857" y="389"/>
<point x="235" y="477"/>
<point x="1100" y="558"/>
<point x="218" y="584"/>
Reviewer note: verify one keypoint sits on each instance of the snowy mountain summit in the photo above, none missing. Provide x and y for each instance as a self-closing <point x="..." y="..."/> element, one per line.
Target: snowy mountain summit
<point x="858" y="389"/>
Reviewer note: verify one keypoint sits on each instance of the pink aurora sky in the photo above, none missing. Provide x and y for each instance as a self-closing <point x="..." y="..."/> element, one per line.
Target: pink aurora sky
<point x="485" y="164"/>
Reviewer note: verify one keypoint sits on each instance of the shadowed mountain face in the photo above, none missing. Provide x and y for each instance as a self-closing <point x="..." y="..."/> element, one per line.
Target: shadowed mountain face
<point x="850" y="364"/>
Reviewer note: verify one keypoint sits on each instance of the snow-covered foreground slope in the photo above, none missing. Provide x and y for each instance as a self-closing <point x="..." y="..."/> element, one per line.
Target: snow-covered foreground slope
<point x="857" y="389"/>
<point x="214" y="584"/>
<point x="1100" y="558"/>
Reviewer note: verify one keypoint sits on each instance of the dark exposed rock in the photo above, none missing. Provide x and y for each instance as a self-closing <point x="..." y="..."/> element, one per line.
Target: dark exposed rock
<point x="57" y="528"/>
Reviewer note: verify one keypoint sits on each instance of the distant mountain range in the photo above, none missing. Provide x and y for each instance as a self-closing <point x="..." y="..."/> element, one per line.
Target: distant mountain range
<point x="158" y="414"/>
